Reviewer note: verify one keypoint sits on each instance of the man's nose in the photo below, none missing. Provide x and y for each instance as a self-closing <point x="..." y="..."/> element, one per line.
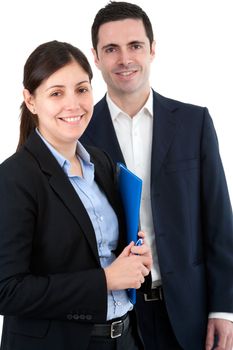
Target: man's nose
<point x="125" y="58"/>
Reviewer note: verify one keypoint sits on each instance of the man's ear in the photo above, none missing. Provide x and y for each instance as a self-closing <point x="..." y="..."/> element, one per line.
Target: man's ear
<point x="29" y="101"/>
<point x="152" y="51"/>
<point x="96" y="59"/>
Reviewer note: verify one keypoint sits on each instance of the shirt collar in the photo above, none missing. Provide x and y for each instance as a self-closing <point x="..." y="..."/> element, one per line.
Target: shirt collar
<point x="115" y="111"/>
<point x="63" y="162"/>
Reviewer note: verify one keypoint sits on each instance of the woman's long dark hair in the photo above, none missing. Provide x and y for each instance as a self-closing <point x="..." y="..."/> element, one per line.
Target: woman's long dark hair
<point x="45" y="60"/>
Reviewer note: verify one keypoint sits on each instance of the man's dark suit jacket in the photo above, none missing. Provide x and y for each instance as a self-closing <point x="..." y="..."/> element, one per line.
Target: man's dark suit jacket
<point x="52" y="286"/>
<point x="191" y="209"/>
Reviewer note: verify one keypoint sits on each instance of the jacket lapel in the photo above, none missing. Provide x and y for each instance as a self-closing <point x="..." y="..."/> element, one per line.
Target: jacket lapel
<point x="164" y="129"/>
<point x="104" y="136"/>
<point x="62" y="186"/>
<point x="105" y="178"/>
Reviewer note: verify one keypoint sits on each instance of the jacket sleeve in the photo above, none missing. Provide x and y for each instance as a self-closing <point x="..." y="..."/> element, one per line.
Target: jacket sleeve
<point x="217" y="221"/>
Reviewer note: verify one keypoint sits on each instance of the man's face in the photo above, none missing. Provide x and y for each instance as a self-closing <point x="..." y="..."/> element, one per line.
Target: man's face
<point x="124" y="56"/>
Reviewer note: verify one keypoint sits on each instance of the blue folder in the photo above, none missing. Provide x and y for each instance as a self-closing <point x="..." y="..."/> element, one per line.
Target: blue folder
<point x="130" y="188"/>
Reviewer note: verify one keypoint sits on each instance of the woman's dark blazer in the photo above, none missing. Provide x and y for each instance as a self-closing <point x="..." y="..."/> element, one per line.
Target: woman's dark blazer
<point x="52" y="286"/>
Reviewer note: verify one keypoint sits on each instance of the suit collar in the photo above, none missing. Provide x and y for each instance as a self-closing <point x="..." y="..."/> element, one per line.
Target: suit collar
<point x="62" y="186"/>
<point x="164" y="128"/>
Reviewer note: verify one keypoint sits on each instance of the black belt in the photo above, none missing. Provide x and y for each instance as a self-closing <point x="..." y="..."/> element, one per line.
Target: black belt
<point x="154" y="294"/>
<point x="112" y="329"/>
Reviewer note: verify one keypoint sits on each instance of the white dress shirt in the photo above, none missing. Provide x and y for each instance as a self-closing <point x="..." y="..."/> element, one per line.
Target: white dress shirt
<point x="136" y="148"/>
<point x="135" y="139"/>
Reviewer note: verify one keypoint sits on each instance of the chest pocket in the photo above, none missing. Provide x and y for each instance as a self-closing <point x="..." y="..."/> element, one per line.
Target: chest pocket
<point x="182" y="165"/>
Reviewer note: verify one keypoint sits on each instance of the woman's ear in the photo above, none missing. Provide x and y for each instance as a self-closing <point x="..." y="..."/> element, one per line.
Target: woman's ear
<point x="29" y="101"/>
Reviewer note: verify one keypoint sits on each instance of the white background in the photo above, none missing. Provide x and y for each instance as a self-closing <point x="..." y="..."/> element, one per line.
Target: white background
<point x="193" y="61"/>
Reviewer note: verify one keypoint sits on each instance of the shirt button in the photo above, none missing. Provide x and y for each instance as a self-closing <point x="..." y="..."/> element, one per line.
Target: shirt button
<point x="101" y="218"/>
<point x="117" y="303"/>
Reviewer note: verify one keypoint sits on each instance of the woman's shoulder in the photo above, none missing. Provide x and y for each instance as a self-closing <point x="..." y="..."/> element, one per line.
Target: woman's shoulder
<point x="18" y="164"/>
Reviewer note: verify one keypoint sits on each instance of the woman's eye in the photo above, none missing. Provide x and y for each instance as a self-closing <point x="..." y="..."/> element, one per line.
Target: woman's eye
<point x="82" y="90"/>
<point x="56" y="93"/>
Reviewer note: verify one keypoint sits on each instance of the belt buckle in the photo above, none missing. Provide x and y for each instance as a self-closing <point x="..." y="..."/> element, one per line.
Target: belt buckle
<point x="114" y="333"/>
<point x="150" y="299"/>
<point x="160" y="297"/>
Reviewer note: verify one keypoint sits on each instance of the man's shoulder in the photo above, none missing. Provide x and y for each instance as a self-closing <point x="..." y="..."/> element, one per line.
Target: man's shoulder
<point x="157" y="97"/>
<point x="101" y="106"/>
<point x="173" y="104"/>
<point x="101" y="118"/>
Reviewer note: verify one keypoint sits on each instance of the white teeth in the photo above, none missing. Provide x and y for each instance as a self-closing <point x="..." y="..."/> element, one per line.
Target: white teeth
<point x="72" y="119"/>
<point x="125" y="73"/>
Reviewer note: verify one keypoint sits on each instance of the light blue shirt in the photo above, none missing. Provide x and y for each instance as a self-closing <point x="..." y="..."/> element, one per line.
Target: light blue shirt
<point x="103" y="218"/>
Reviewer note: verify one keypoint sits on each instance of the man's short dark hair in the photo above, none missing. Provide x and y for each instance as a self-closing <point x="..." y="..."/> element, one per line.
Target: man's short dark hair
<point x="116" y="11"/>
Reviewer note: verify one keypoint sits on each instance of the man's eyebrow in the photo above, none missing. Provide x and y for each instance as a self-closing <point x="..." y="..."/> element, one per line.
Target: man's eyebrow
<point x="134" y="42"/>
<point x="109" y="45"/>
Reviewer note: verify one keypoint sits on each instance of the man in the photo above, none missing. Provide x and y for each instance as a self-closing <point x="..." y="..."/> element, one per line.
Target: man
<point x="185" y="207"/>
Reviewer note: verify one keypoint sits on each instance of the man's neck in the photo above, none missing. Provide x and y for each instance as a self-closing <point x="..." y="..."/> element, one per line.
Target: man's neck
<point x="131" y="104"/>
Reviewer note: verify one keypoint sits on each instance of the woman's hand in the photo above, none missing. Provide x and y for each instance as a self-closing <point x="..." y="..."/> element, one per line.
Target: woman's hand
<point x="130" y="267"/>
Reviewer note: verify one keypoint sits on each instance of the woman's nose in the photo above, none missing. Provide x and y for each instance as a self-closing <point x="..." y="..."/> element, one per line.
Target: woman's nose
<point x="72" y="102"/>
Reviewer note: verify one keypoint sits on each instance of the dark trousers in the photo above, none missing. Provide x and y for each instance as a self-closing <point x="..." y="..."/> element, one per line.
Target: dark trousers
<point x="155" y="326"/>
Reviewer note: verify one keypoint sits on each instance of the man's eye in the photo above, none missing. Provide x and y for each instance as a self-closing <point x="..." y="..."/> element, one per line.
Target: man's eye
<point x="110" y="49"/>
<point x="137" y="46"/>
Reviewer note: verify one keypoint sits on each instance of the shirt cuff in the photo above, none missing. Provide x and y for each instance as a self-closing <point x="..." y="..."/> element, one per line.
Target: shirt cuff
<point x="223" y="315"/>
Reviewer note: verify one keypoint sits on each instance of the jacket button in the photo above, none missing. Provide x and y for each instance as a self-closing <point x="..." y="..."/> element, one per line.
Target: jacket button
<point x="75" y="316"/>
<point x="69" y="317"/>
<point x="88" y="317"/>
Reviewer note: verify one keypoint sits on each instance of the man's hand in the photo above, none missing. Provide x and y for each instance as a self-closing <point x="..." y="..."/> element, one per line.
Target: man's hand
<point x="143" y="250"/>
<point x="224" y="331"/>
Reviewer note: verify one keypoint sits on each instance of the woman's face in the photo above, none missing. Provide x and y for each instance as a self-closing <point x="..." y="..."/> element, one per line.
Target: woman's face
<point x="63" y="104"/>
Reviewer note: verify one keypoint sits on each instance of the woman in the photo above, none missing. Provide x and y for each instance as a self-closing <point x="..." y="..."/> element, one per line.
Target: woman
<point x="63" y="269"/>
